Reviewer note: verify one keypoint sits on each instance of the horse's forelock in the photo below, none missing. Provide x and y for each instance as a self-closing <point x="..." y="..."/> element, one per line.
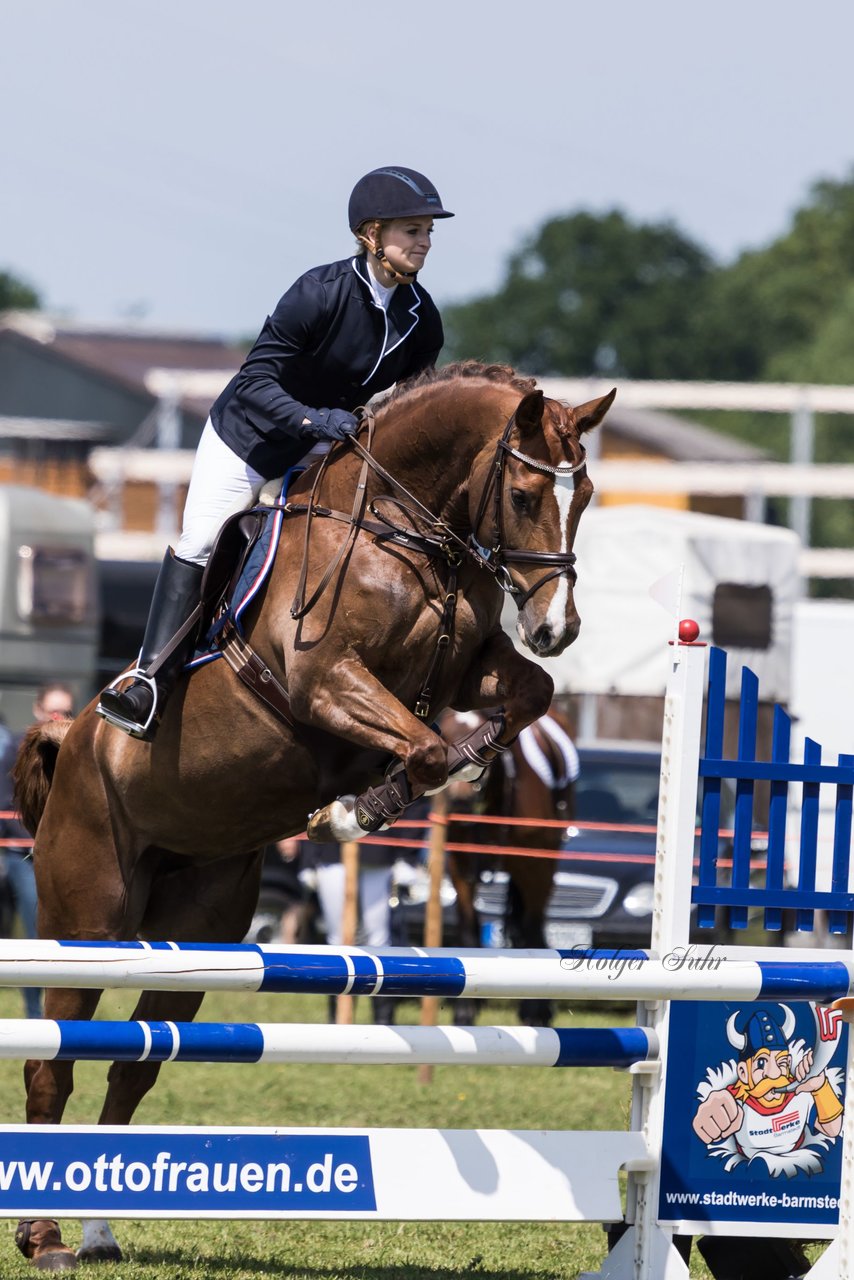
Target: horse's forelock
<point x="562" y="418"/>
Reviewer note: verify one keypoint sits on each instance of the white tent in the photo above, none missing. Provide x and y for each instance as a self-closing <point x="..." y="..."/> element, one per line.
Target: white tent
<point x="623" y="550"/>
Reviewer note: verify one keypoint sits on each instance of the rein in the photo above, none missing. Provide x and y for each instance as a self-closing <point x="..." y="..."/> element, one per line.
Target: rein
<point x="441" y="542"/>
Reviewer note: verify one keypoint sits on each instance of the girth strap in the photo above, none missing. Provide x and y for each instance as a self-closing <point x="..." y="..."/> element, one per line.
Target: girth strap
<point x="255" y="674"/>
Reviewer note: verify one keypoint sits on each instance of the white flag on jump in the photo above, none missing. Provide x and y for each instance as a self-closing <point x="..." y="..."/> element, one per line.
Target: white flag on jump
<point x="667" y="591"/>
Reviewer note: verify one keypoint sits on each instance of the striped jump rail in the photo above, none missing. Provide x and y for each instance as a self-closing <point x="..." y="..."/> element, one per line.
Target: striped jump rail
<point x="685" y="974"/>
<point x="618" y="1047"/>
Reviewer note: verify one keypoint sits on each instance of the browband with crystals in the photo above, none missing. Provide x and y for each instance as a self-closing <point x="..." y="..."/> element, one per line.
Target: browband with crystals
<point x="562" y="469"/>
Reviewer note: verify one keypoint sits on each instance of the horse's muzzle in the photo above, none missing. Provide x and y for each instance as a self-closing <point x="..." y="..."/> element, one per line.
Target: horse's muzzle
<point x="546" y="640"/>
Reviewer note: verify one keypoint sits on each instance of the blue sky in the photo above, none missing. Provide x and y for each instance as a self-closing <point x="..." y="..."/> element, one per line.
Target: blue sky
<point x="182" y="161"/>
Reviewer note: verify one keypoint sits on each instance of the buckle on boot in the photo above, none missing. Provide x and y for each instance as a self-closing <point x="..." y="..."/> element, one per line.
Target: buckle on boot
<point x="381" y="806"/>
<point x="118" y="721"/>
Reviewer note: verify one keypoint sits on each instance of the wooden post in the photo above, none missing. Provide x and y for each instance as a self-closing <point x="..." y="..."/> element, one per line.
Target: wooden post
<point x="433" y="913"/>
<point x="350" y="919"/>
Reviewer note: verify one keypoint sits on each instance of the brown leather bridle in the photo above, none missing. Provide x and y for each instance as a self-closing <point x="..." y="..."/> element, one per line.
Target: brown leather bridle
<point x="498" y="557"/>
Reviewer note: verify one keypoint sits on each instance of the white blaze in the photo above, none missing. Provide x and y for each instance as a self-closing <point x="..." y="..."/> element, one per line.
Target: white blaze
<point x="564" y="488"/>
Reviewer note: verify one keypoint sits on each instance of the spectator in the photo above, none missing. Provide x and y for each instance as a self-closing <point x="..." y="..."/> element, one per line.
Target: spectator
<point x="293" y="923"/>
<point x="54" y="701"/>
<point x="322" y="866"/>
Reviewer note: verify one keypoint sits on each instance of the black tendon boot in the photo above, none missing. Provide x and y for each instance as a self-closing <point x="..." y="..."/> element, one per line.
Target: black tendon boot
<point x="176" y="594"/>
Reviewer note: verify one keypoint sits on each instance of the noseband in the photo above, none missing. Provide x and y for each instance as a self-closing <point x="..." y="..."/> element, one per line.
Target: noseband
<point x="498" y="558"/>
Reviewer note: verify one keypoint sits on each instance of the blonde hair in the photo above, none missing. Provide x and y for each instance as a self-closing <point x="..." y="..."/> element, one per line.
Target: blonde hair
<point x="362" y="245"/>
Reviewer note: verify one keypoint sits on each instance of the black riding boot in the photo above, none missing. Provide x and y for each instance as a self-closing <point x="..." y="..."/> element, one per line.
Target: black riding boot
<point x="176" y="594"/>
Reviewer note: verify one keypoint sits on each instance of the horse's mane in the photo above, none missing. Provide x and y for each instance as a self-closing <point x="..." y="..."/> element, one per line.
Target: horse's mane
<point x="461" y="369"/>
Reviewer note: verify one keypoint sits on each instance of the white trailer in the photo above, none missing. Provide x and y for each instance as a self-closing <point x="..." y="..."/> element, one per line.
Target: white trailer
<point x="740" y="582"/>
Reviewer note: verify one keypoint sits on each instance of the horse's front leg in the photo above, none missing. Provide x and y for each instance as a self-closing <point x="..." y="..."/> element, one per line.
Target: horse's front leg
<point x="352" y="703"/>
<point x="517" y="691"/>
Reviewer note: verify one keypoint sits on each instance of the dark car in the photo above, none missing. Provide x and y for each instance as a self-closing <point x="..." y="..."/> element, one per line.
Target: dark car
<point x="602" y="894"/>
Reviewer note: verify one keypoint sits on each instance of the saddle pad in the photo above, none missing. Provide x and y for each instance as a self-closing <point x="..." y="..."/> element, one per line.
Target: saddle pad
<point x="252" y="578"/>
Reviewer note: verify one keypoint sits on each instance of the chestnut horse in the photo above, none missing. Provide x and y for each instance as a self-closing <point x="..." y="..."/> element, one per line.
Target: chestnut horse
<point x="534" y="780"/>
<point x="472" y="484"/>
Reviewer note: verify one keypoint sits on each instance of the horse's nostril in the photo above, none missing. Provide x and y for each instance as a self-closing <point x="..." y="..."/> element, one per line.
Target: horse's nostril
<point x="543" y="637"/>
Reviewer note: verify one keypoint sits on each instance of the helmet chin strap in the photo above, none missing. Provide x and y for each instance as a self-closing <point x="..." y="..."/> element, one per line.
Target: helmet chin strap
<point x="399" y="277"/>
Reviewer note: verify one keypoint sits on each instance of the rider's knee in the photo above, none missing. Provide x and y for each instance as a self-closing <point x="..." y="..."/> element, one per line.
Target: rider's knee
<point x="196" y="541"/>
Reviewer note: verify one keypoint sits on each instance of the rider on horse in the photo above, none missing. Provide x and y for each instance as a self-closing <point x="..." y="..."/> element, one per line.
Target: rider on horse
<point x="342" y="333"/>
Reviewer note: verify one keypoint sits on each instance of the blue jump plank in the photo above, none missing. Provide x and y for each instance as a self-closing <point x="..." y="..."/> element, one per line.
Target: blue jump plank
<point x="837" y="921"/>
<point x="748" y="719"/>
<point x="781" y="737"/>
<point x="808" y="849"/>
<point x="710" y="814"/>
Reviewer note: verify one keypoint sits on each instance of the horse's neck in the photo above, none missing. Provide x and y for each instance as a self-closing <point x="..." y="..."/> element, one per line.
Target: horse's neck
<point x="439" y="448"/>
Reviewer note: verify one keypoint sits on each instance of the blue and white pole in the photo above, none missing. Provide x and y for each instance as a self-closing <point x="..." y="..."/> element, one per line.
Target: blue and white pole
<point x="413" y="971"/>
<point x="291" y="1042"/>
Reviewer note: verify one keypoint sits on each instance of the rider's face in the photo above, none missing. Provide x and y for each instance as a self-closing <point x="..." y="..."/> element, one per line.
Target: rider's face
<point x="406" y="242"/>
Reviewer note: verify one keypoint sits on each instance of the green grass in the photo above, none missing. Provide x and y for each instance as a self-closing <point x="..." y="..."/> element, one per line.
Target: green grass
<point x="463" y="1097"/>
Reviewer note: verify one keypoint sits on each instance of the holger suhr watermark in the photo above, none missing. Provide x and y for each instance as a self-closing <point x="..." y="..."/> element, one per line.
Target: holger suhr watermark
<point x="616" y="963"/>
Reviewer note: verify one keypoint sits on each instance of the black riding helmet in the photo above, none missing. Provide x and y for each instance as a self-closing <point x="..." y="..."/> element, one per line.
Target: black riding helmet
<point x="393" y="192"/>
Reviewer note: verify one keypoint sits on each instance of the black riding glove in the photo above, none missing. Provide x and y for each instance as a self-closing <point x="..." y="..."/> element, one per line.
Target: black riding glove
<point x="330" y="424"/>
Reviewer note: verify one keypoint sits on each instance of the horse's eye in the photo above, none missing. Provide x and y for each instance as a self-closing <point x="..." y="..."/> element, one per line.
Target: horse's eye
<point x="517" y="497"/>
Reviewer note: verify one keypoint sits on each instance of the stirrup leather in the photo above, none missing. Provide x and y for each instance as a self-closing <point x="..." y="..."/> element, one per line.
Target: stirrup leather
<point x="132" y="727"/>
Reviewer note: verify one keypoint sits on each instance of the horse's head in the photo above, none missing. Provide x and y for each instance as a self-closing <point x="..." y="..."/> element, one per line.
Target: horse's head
<point x="539" y="490"/>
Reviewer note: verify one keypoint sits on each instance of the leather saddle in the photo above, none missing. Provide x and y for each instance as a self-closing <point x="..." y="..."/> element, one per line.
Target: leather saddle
<point x="229" y="556"/>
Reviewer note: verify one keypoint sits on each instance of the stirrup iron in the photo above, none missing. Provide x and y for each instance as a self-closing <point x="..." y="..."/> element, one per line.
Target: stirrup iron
<point x="130" y="727"/>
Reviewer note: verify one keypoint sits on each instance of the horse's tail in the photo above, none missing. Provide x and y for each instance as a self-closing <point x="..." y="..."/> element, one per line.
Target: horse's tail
<point x="32" y="773"/>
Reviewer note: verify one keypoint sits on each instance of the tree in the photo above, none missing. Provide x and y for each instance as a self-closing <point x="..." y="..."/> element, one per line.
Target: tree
<point x="780" y="313"/>
<point x="15" y="295"/>
<point x="592" y="293"/>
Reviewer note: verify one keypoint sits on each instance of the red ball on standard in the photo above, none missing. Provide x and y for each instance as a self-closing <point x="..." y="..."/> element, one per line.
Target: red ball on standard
<point x="688" y="630"/>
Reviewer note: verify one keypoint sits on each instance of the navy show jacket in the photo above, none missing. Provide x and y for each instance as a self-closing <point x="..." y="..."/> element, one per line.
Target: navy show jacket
<point x="328" y="344"/>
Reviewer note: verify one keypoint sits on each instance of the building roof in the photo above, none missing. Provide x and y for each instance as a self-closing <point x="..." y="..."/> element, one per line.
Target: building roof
<point x="58" y="429"/>
<point x="127" y="355"/>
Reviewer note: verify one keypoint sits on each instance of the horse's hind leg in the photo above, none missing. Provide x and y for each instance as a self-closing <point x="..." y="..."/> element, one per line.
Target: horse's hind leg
<point x="68" y="908"/>
<point x="212" y="902"/>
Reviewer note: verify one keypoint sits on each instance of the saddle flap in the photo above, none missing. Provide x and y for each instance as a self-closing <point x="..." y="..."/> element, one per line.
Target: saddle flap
<point x="231" y="549"/>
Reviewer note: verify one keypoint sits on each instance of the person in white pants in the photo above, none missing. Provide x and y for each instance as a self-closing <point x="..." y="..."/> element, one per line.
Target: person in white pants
<point x="342" y="333"/>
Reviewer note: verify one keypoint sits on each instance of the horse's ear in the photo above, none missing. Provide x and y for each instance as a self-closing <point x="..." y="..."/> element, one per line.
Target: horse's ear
<point x="529" y="413"/>
<point x="589" y="415"/>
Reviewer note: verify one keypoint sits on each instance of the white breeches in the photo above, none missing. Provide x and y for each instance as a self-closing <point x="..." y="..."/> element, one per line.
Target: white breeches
<point x="220" y="484"/>
<point x="374" y="911"/>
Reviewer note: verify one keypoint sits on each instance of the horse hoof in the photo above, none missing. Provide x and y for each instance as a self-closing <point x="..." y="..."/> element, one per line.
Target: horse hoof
<point x="335" y="822"/>
<point x="99" y="1253"/>
<point x="40" y="1241"/>
<point x="56" y="1260"/>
